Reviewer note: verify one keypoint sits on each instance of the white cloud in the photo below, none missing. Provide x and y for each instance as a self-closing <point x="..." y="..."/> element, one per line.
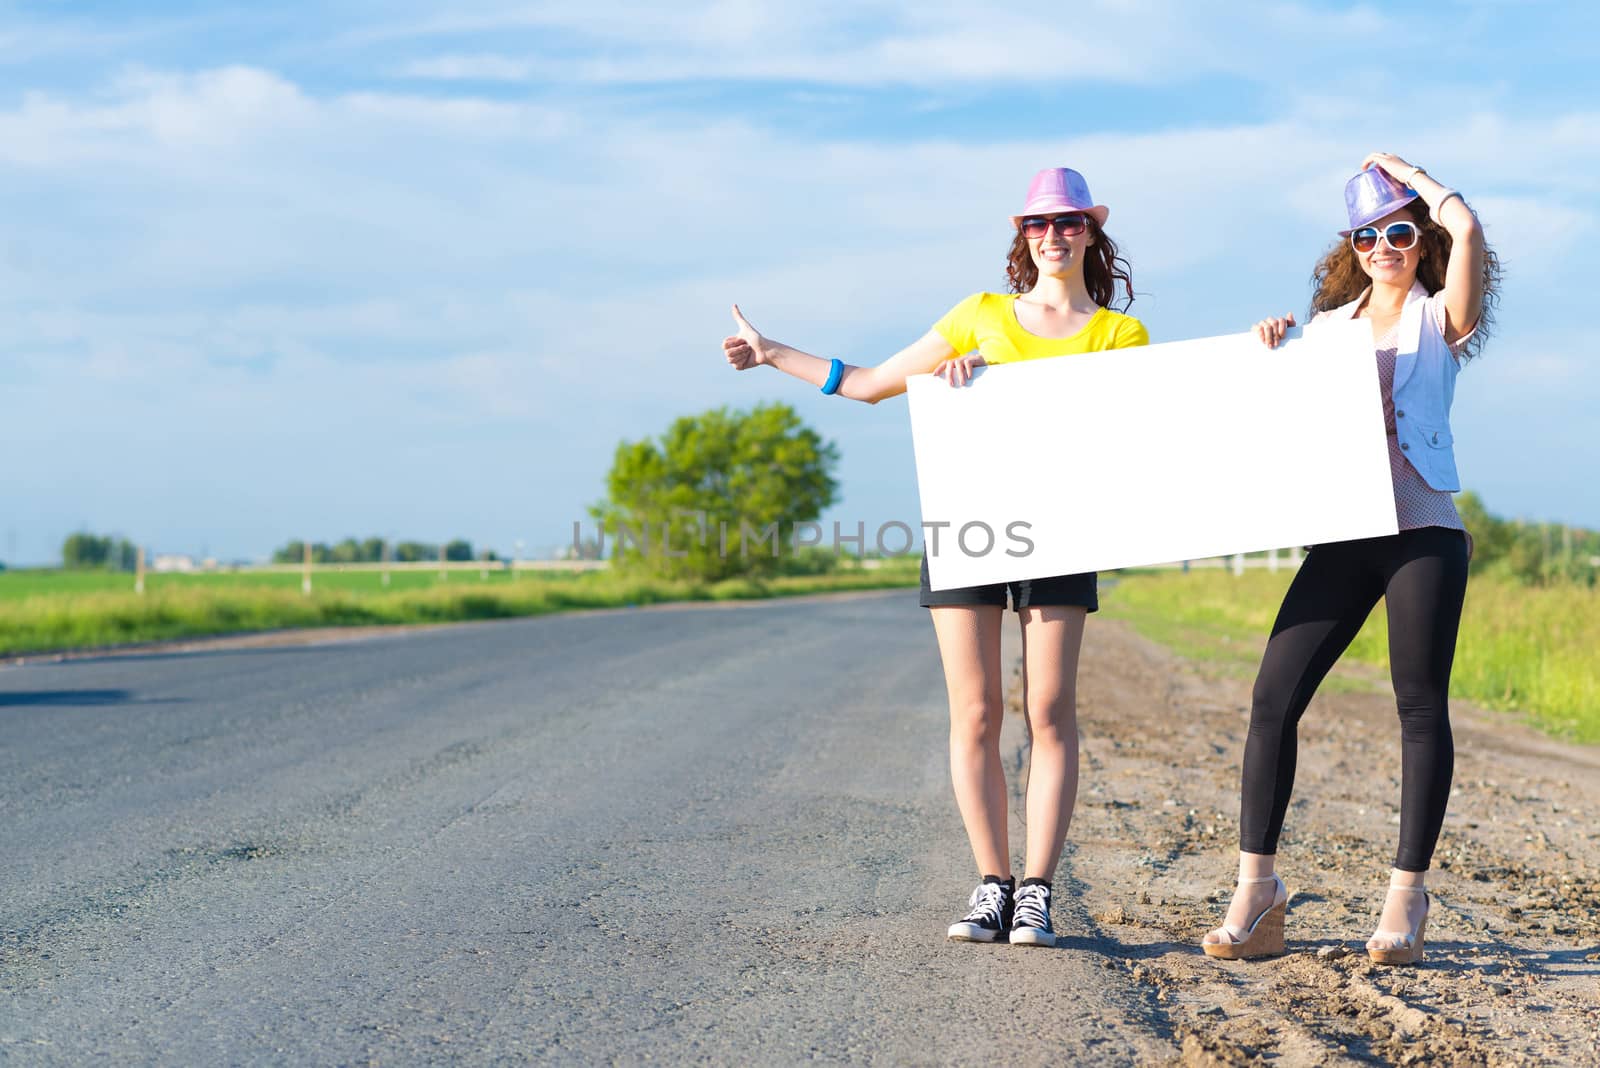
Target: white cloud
<point x="441" y="276"/>
<point x="33" y="40"/>
<point x="884" y="42"/>
<point x="474" y="68"/>
<point x="420" y="226"/>
<point x="144" y="113"/>
<point x="207" y="109"/>
<point x="1533" y="233"/>
<point x="147" y="116"/>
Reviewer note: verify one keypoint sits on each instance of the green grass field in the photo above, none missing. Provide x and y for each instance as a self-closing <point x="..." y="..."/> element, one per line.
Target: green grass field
<point x="1523" y="649"/>
<point x="18" y="584"/>
<point x="42" y="611"/>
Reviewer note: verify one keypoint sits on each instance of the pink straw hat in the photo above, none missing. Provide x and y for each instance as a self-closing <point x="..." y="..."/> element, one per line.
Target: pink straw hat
<point x="1055" y="190"/>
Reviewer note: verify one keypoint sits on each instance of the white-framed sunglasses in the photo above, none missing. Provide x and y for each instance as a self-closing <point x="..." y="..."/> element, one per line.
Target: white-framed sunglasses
<point x="1399" y="235"/>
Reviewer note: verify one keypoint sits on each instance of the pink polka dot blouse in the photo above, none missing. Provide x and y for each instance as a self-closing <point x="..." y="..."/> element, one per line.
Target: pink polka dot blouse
<point x="1416" y="504"/>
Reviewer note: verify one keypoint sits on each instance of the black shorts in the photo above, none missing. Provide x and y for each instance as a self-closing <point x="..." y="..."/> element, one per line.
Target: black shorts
<point x="1080" y="591"/>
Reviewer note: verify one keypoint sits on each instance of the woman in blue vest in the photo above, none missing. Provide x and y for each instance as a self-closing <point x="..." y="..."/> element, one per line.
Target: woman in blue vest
<point x="1413" y="262"/>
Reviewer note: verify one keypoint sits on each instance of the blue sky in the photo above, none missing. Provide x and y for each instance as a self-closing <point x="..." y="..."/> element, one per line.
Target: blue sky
<point x="383" y="268"/>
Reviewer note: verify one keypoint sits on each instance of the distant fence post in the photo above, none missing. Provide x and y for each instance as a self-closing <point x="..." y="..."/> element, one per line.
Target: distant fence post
<point x="1272" y="560"/>
<point x="1238" y="564"/>
<point x="1296" y="554"/>
<point x="386" y="561"/>
<point x="444" y="576"/>
<point x="138" y="572"/>
<point x="305" y="569"/>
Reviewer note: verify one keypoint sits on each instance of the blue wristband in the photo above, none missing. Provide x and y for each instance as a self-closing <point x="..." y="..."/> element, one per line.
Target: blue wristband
<point x="835" y="376"/>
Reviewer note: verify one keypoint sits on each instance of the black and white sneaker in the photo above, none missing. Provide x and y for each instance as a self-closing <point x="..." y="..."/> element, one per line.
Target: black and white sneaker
<point x="990" y="912"/>
<point x="1030" y="920"/>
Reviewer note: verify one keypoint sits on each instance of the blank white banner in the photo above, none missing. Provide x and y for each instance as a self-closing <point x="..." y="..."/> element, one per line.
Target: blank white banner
<point x="1149" y="455"/>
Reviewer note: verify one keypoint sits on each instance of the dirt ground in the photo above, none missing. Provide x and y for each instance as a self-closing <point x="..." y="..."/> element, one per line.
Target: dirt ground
<point x="1512" y="974"/>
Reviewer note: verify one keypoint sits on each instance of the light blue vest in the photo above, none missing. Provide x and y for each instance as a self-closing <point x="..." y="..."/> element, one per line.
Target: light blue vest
<point x="1424" y="387"/>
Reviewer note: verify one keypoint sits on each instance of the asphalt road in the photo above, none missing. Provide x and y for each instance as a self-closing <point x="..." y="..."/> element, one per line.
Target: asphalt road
<point x="707" y="833"/>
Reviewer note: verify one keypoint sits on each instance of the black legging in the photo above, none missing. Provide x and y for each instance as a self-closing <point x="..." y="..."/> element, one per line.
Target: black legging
<point x="1422" y="577"/>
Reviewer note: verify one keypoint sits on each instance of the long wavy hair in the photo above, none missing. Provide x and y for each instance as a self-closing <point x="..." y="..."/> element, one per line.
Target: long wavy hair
<point x="1103" y="268"/>
<point x="1338" y="278"/>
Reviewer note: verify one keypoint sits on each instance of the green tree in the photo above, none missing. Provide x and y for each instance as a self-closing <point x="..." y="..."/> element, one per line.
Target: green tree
<point x="1492" y="537"/>
<point x="1525" y="559"/>
<point x="459" y="549"/>
<point x="746" y="472"/>
<point x="295" y="553"/>
<point x="587" y="548"/>
<point x="1529" y="553"/>
<point x="411" y="552"/>
<point x="347" y="551"/>
<point x="84" y="550"/>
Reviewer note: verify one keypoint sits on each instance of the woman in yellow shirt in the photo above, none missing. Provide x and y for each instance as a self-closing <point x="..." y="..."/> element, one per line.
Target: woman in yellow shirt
<point x="1063" y="272"/>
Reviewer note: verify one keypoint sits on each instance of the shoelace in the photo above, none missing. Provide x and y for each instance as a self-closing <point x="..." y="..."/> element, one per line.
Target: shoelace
<point x="1033" y="907"/>
<point x="986" y="902"/>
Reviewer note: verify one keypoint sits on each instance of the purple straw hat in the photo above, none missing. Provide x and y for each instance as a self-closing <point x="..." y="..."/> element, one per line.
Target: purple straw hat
<point x="1371" y="195"/>
<point x="1060" y="189"/>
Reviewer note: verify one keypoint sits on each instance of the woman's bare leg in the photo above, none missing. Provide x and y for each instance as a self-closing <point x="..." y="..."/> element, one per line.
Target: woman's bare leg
<point x="1051" y="639"/>
<point x="969" y="646"/>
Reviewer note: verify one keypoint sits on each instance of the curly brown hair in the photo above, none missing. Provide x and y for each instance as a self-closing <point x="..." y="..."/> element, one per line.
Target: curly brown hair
<point x="1337" y="279"/>
<point x="1102" y="268"/>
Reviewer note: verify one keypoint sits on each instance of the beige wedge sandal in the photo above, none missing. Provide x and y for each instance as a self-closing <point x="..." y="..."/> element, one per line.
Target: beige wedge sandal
<point x="1411" y="943"/>
<point x="1264" y="938"/>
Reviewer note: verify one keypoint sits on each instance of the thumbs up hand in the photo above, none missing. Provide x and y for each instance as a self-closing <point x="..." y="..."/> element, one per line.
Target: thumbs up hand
<point x="746" y="348"/>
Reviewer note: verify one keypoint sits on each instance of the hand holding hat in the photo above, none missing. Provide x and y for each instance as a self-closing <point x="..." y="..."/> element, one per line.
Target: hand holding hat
<point x="1432" y="192"/>
<point x="1393" y="166"/>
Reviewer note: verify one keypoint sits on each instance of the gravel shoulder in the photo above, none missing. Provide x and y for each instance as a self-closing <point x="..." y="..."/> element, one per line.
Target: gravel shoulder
<point x="1513" y="968"/>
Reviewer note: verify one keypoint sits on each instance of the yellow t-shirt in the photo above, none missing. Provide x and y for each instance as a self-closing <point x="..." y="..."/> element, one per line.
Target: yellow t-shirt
<point x="986" y="323"/>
